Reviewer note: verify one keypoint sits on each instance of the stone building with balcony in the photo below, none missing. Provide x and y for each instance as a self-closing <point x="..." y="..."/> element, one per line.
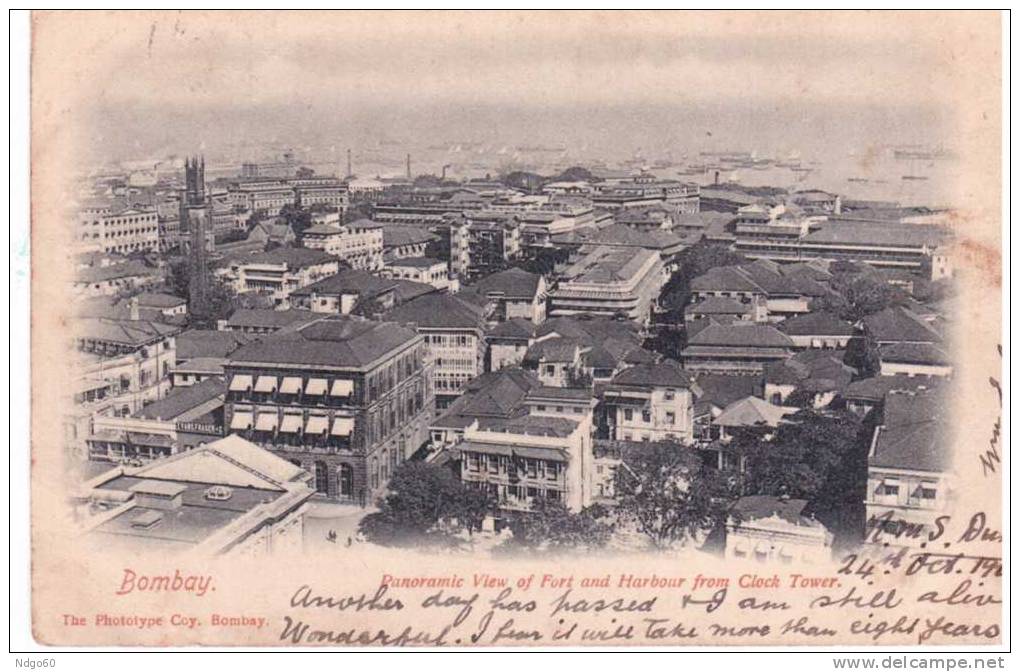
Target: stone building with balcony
<point x="522" y="459"/>
<point x="278" y="273"/>
<point x="346" y="398"/>
<point x="909" y="467"/>
<point x="185" y="418"/>
<point x="454" y="331"/>
<point x="650" y="402"/>
<point x="359" y="243"/>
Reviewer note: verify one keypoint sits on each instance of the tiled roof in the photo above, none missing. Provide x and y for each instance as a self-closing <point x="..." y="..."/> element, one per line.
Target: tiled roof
<point x="204" y="365"/>
<point x="494" y="394"/>
<point x="876" y="387"/>
<point x="757" y="507"/>
<point x="209" y="343"/>
<point x="914" y="353"/>
<point x="662" y="374"/>
<point x="625" y="236"/>
<point x="591" y="329"/>
<point x="717" y="305"/>
<point x="816" y="324"/>
<point x="127" y="269"/>
<point x="530" y="425"/>
<point x="323" y="230"/>
<point x="914" y="433"/>
<point x="752" y="412"/>
<point x="900" y="325"/>
<point x="339" y="341"/>
<point x="292" y="257"/>
<point x="605" y="264"/>
<point x="405" y="290"/>
<point x="439" y="311"/>
<point x="269" y="318"/>
<point x="721" y="390"/>
<point x="180" y="400"/>
<point x="512" y="283"/>
<point x="724" y="279"/>
<point x="813" y="370"/>
<point x="562" y="350"/>
<point x="348" y="281"/>
<point x="123" y="332"/>
<point x="415" y="262"/>
<point x="577" y="394"/>
<point x="877" y="234"/>
<point x="398" y="236"/>
<point x="738" y="335"/>
<point x="159" y="300"/>
<point x="516" y="328"/>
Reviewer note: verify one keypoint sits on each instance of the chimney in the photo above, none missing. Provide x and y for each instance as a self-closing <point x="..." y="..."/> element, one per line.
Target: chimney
<point x="350" y="171"/>
<point x="409" y="166"/>
<point x="133" y="307"/>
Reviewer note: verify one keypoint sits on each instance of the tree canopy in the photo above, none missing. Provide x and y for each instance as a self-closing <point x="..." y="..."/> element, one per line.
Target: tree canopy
<point x="692" y="262"/>
<point x="820" y="456"/>
<point x="670" y="496"/>
<point x="549" y="527"/>
<point x="857" y="296"/>
<point x="298" y="218"/>
<point x="425" y="505"/>
<point x="221" y="300"/>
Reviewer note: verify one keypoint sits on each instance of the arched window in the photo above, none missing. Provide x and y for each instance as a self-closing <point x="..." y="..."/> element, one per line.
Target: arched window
<point x="322" y="477"/>
<point x="345" y="481"/>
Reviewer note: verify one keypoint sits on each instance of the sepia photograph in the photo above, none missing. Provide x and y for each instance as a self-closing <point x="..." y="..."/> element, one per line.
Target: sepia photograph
<point x="544" y="329"/>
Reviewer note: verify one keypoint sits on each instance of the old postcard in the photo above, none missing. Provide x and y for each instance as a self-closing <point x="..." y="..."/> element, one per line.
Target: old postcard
<point x="546" y="329"/>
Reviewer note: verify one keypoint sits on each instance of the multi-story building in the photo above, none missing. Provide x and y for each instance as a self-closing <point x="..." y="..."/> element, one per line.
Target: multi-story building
<point x="265" y="196"/>
<point x="817" y="330"/>
<point x="610" y="281"/>
<point x="775" y="530"/>
<point x="909" y="477"/>
<point x="347" y="398"/>
<point x="508" y="342"/>
<point x="656" y="218"/>
<point x="134" y="356"/>
<point x="514" y="293"/>
<point x="645" y="191"/>
<point x="785" y="290"/>
<point x="402" y="242"/>
<point x="227" y="497"/>
<point x="493" y="395"/>
<point x="278" y="273"/>
<point x="342" y="292"/>
<point x="524" y="459"/>
<point x="876" y="242"/>
<point x="540" y="225"/>
<point x="327" y="191"/>
<point x="282" y="169"/>
<point x="453" y="330"/>
<point x="257" y="321"/>
<point x="740" y="347"/>
<point x="667" y="244"/>
<point x="483" y="240"/>
<point x="110" y="226"/>
<point x="359" y="244"/>
<point x="650" y="402"/>
<point x="116" y="278"/>
<point x="183" y="419"/>
<point x="425" y="270"/>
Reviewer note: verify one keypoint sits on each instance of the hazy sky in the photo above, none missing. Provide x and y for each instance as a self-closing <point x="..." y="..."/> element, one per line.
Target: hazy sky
<point x="620" y="81"/>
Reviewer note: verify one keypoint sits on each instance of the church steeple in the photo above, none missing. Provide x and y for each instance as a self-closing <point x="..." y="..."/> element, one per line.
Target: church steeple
<point x="194" y="181"/>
